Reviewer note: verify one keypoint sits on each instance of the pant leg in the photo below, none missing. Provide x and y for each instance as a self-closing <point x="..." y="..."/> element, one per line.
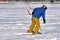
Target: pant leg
<point x="37" y="26"/>
<point x="32" y="25"/>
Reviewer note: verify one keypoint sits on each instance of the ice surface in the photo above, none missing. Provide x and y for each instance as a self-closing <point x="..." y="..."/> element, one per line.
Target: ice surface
<point x="14" y="18"/>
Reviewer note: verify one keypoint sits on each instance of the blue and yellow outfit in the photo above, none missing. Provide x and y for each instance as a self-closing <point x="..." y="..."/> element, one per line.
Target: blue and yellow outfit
<point x="36" y="14"/>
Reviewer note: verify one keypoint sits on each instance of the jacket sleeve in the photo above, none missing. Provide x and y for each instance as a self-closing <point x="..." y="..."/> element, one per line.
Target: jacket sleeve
<point x="43" y="16"/>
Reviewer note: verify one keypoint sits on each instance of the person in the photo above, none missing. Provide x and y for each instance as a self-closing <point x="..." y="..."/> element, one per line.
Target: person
<point x="36" y="14"/>
<point x="52" y="1"/>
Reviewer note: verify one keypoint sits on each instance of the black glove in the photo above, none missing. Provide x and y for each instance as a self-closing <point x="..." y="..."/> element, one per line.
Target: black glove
<point x="44" y="21"/>
<point x="32" y="12"/>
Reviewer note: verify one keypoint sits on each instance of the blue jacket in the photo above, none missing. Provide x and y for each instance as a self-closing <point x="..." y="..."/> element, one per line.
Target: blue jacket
<point x="38" y="12"/>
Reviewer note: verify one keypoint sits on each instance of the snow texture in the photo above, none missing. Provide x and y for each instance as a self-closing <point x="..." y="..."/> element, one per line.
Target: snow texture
<point x="14" y="19"/>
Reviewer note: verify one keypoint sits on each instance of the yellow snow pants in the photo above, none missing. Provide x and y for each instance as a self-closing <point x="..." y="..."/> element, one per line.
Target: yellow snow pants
<point x="35" y="25"/>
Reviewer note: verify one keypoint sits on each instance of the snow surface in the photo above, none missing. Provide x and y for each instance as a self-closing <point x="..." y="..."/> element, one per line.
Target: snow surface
<point x="14" y="19"/>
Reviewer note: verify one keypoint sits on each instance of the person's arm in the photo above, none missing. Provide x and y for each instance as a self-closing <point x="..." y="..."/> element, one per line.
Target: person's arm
<point x="43" y="16"/>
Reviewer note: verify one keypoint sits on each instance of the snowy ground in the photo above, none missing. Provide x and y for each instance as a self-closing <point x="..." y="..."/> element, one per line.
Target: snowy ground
<point x="14" y="19"/>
